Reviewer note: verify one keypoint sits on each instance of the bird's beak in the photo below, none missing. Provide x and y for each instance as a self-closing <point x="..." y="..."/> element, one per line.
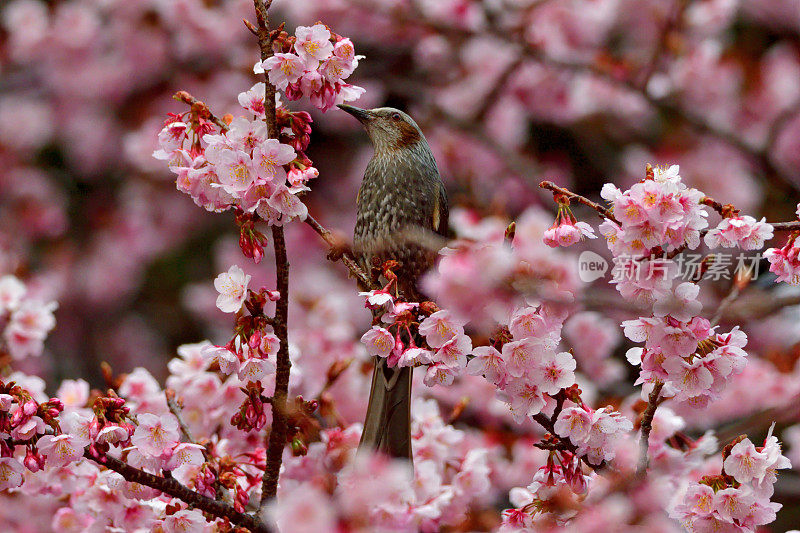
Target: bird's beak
<point x="361" y="114"/>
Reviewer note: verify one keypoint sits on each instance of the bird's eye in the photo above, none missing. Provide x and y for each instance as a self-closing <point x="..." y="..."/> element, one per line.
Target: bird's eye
<point x="396" y="116"/>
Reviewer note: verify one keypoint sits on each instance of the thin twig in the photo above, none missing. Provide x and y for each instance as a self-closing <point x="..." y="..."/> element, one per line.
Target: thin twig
<point x="785" y="226"/>
<point x="174" y="488"/>
<point x="346" y="257"/>
<point x="671" y="24"/>
<point x="566" y="444"/>
<point x="201" y="108"/>
<point x="725" y="303"/>
<point x="602" y="211"/>
<point x="175" y="409"/>
<point x="646" y="426"/>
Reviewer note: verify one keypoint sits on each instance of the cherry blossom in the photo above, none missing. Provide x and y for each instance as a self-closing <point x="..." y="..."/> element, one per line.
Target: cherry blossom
<point x="554" y="371"/>
<point x="744" y="463"/>
<point x="283" y="69"/>
<point x="723" y="109"/>
<point x="232" y="288"/>
<point x="379" y="341"/>
<point x="154" y="434"/>
<point x="743" y="231"/>
<point x="785" y="262"/>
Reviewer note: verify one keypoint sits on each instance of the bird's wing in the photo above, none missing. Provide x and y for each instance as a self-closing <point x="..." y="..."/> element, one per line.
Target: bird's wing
<point x="441" y="214"/>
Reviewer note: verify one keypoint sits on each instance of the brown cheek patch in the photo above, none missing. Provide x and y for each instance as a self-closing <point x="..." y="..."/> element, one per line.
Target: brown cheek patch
<point x="409" y="135"/>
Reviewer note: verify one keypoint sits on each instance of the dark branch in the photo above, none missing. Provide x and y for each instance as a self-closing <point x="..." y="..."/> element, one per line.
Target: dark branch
<point x="276" y="441"/>
<point x="173" y="488"/>
<point x="647" y="425"/>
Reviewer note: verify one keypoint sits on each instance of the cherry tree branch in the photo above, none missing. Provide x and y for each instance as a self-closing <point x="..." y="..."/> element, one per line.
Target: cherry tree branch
<point x="602" y="211"/>
<point x="174" y="488"/>
<point x="646" y="426"/>
<point x="336" y="253"/>
<point x="175" y="409"/>
<point x="201" y="108"/>
<point x="276" y="440"/>
<point x="548" y="423"/>
<point x="785" y="226"/>
<point x="673" y="21"/>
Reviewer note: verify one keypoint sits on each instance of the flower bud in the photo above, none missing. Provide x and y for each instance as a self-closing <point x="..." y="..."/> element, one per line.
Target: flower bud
<point x="5" y="402"/>
<point x="30" y="407"/>
<point x="31" y="461"/>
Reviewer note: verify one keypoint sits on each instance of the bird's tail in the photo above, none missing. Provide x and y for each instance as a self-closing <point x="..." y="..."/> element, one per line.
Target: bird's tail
<point x="387" y="426"/>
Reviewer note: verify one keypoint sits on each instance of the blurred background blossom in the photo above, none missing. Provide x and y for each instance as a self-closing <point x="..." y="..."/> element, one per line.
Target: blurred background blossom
<point x="508" y="93"/>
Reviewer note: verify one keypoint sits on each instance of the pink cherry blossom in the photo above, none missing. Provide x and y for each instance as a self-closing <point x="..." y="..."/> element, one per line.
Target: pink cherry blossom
<point x="440" y="327"/>
<point x="525" y="397"/>
<point x="377" y="298"/>
<point x="232" y="288"/>
<point x="439" y="374"/>
<point x="235" y="171"/>
<point x="489" y="363"/>
<point x="554" y="371"/>
<point x="155" y="435"/>
<point x="680" y="304"/>
<point x="306" y="511"/>
<point x="313" y="44"/>
<point x="414" y="356"/>
<point x="453" y="353"/>
<point x="185" y="521"/>
<point x="744" y="463"/>
<point x="742" y="231"/>
<point x="574" y="423"/>
<point x="11" y="292"/>
<point x="522" y="356"/>
<point x="378" y="341"/>
<point x="269" y="158"/>
<point x="11" y="473"/>
<point x="227" y="361"/>
<point x="785" y="262"/>
<point x="283" y="69"/>
<point x="62" y="449"/>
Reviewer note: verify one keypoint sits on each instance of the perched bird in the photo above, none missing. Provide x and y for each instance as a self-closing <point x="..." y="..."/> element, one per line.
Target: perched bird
<point x="402" y="215"/>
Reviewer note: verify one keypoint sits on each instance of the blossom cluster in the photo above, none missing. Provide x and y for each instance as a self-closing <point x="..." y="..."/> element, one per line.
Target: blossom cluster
<point x="25" y="320"/>
<point x="785" y="261"/>
<point x="660" y="211"/>
<point x="481" y="277"/>
<point x="313" y="63"/>
<point x="238" y="167"/>
<point x="739" y="497"/>
<point x="682" y="350"/>
<point x="742" y="231"/>
<point x="527" y="370"/>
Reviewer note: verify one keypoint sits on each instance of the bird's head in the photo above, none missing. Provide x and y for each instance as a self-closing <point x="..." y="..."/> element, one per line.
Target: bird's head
<point x="388" y="128"/>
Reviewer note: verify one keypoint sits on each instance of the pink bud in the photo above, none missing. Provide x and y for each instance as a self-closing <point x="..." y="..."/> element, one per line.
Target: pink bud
<point x="295" y="176"/>
<point x="5" y="402"/>
<point x="55" y="403"/>
<point x="18" y="417"/>
<point x="5" y="449"/>
<point x="293" y="92"/>
<point x="31" y="462"/>
<point x="30" y="407"/>
<point x="254" y="340"/>
<point x="258" y="253"/>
